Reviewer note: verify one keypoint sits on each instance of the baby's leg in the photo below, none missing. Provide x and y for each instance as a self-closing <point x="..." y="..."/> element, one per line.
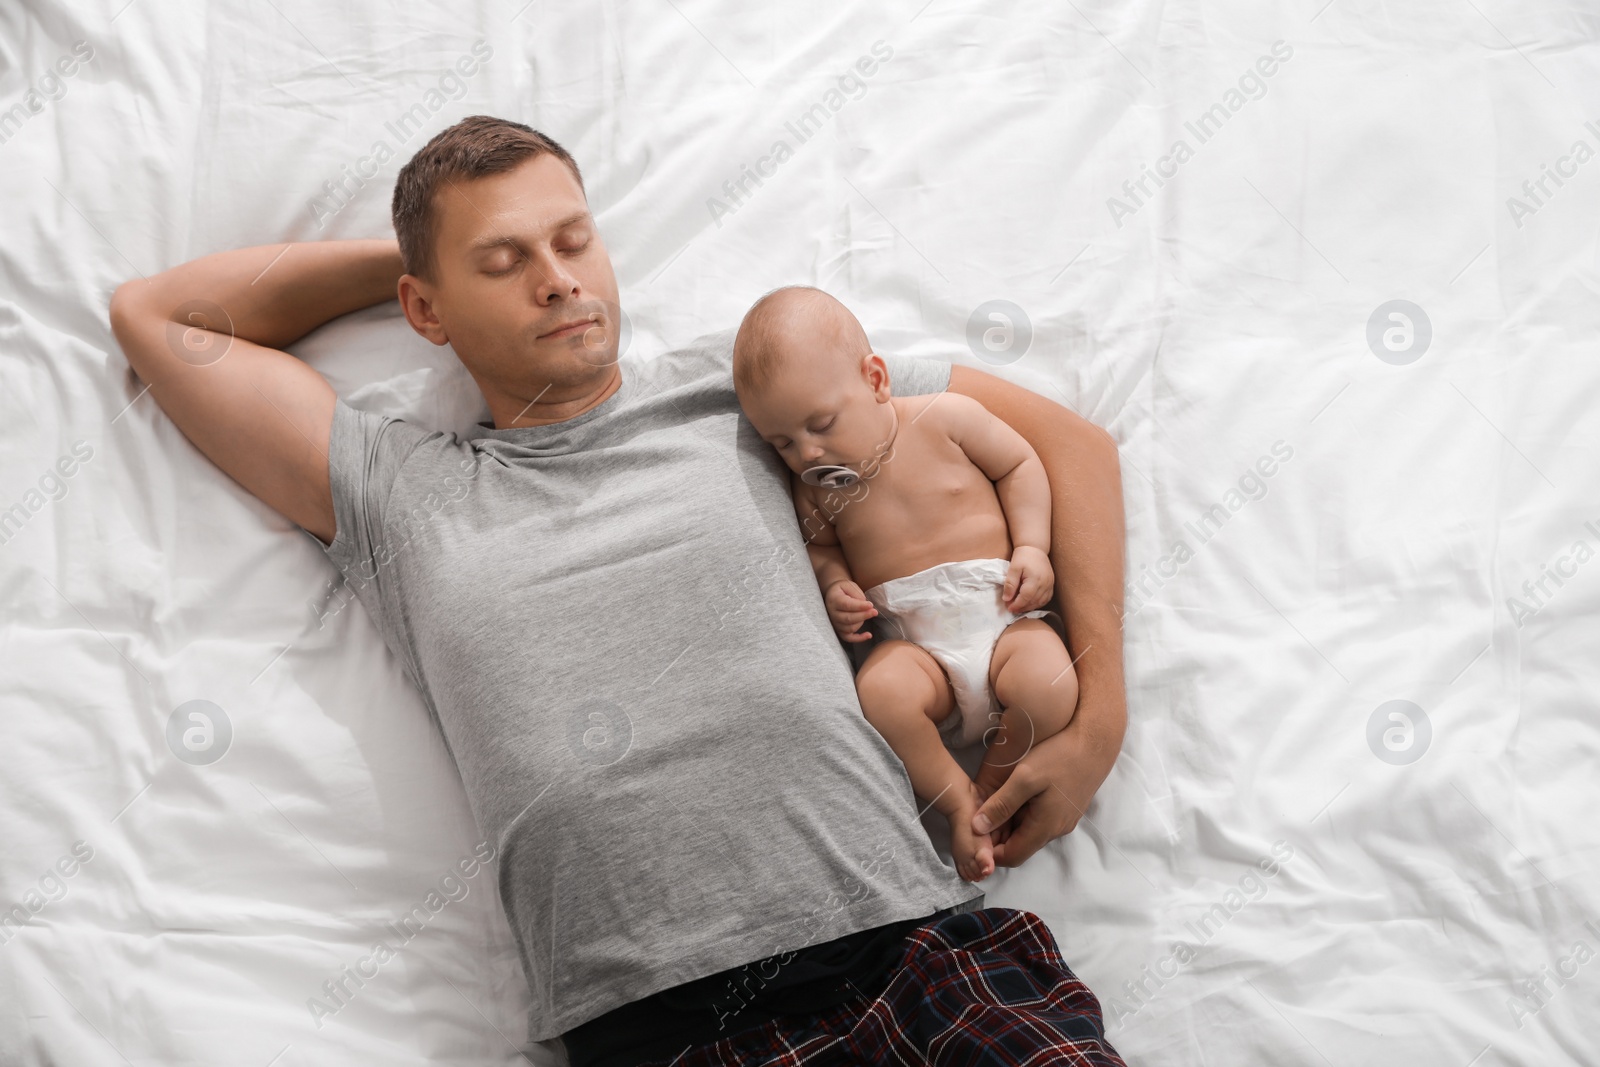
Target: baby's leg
<point x="905" y="694"/>
<point x="1033" y="679"/>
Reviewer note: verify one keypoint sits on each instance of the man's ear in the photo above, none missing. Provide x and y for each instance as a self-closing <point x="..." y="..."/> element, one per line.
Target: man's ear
<point x="876" y="373"/>
<point x="416" y="300"/>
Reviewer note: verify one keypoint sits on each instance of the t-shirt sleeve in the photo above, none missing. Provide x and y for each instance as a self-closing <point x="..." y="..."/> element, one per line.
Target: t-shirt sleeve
<point x="917" y="375"/>
<point x="365" y="453"/>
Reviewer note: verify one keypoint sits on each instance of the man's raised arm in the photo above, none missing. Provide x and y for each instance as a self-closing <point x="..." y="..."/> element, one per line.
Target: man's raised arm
<point x="1053" y="784"/>
<point x="207" y="336"/>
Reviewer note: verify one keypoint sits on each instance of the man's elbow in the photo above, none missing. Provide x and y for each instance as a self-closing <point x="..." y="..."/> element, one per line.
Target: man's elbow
<point x="1095" y="444"/>
<point x="1106" y="445"/>
<point x="1095" y="436"/>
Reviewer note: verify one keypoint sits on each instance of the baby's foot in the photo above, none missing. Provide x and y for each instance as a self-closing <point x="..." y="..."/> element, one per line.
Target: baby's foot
<point x="973" y="853"/>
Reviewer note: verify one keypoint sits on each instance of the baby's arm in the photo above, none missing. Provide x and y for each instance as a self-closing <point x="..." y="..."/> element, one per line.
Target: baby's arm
<point x="848" y="607"/>
<point x="1019" y="479"/>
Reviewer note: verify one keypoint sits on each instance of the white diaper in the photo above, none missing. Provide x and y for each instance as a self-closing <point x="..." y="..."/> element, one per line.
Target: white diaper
<point x="955" y="612"/>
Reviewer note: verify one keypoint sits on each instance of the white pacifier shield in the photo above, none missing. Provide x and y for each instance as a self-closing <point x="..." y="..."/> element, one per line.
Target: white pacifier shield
<point x="829" y="476"/>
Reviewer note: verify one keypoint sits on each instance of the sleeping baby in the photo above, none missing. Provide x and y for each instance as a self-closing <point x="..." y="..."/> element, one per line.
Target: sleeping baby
<point x="927" y="518"/>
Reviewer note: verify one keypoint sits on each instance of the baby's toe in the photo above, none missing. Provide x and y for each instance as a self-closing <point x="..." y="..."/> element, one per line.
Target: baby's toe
<point x="973" y="853"/>
<point x="983" y="859"/>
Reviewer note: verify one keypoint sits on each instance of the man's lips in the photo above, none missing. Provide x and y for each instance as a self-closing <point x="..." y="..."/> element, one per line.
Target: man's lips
<point x="577" y="326"/>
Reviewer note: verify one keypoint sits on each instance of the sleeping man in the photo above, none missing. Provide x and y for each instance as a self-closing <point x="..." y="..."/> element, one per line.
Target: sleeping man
<point x="707" y="854"/>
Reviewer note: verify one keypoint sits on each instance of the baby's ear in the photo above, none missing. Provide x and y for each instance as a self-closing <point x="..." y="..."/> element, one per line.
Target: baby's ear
<point x="876" y="373"/>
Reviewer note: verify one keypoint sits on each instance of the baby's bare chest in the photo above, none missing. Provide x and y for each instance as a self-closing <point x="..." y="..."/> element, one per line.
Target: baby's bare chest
<point x="917" y="490"/>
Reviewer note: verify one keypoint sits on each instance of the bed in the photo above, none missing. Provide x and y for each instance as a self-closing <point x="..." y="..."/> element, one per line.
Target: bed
<point x="1326" y="270"/>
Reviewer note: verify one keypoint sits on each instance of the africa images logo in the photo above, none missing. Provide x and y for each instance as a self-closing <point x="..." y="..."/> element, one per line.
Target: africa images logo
<point x="1252" y="85"/>
<point x="851" y="85"/>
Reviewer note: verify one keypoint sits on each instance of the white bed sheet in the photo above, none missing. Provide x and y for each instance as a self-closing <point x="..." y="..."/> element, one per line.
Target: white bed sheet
<point x="1430" y="913"/>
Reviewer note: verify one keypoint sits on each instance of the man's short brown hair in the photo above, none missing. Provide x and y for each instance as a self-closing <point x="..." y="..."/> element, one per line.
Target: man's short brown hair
<point x="475" y="147"/>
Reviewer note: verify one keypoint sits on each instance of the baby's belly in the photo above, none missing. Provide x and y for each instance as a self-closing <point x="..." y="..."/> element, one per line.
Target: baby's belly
<point x="879" y="553"/>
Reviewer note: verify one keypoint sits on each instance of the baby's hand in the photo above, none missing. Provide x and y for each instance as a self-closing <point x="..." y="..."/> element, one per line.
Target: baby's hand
<point x="1030" y="581"/>
<point x="848" y="608"/>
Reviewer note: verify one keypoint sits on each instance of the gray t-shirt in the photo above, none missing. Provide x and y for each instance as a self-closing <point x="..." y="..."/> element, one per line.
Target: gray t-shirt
<point x="614" y="622"/>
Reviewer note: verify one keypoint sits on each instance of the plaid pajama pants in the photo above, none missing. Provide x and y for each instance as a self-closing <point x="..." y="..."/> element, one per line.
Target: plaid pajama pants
<point x="977" y="988"/>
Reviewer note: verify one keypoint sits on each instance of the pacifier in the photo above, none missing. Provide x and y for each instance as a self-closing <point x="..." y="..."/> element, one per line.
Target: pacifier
<point x="830" y="476"/>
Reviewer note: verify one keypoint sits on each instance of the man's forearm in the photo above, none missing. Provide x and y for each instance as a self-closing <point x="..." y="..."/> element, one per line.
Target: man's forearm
<point x="1087" y="553"/>
<point x="1086" y="550"/>
<point x="276" y="294"/>
<point x="258" y="413"/>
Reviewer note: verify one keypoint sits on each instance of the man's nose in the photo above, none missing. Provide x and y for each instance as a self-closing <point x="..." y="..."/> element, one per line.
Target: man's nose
<point x="553" y="281"/>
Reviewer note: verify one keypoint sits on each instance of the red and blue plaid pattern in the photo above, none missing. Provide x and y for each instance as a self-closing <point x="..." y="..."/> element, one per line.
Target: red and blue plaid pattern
<point x="976" y="988"/>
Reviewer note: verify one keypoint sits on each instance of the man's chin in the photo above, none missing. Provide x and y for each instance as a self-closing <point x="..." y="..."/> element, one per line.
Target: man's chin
<point x="604" y="356"/>
<point x="576" y="347"/>
<point x="597" y="346"/>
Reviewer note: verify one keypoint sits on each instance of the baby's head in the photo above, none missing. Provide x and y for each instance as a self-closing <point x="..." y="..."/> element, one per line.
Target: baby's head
<point x="809" y="382"/>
